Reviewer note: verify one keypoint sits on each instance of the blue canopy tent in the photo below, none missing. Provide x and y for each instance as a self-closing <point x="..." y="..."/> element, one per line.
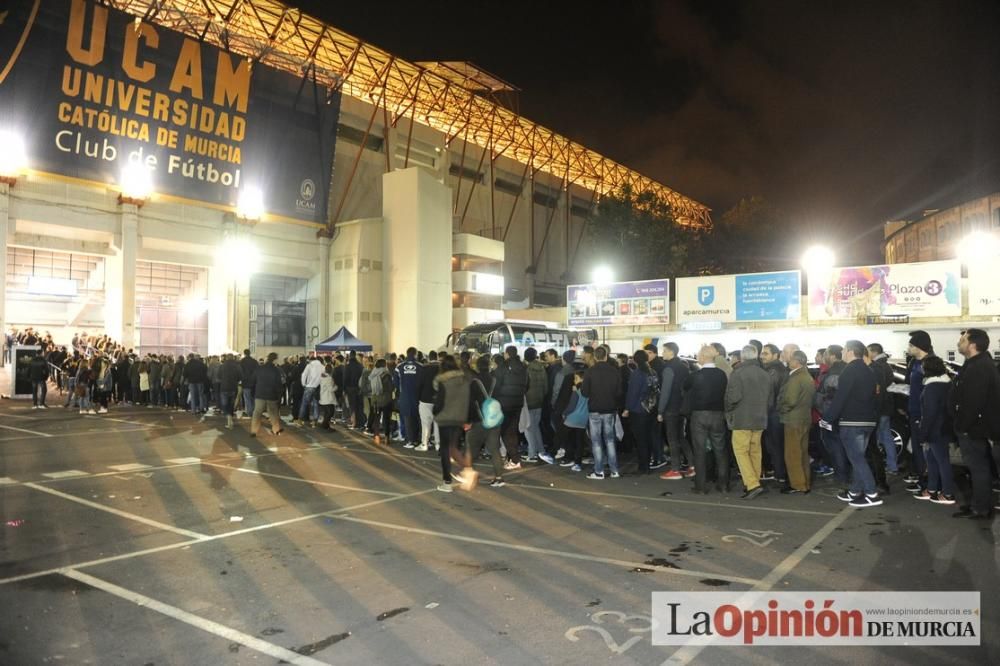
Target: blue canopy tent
<point x="343" y="340"/>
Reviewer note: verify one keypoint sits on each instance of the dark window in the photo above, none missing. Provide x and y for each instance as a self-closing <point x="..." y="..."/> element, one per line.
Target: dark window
<point x="354" y="135"/>
<point x="508" y="187"/>
<point x="467" y="173"/>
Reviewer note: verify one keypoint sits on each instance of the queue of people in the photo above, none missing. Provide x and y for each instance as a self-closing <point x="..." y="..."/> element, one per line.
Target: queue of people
<point x="761" y="414"/>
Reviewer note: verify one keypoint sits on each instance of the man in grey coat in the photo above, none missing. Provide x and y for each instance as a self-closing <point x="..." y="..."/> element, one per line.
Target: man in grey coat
<point x="748" y="397"/>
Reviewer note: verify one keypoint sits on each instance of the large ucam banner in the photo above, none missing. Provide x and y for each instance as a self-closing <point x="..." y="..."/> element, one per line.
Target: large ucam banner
<point x="740" y="298"/>
<point x="91" y="88"/>
<point x="927" y="289"/>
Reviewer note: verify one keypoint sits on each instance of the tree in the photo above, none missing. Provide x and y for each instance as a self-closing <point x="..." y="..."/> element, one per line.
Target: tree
<point x="637" y="236"/>
<point x="747" y="238"/>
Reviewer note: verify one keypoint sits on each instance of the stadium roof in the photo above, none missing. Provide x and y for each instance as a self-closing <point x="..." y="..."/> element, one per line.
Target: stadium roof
<point x="284" y="38"/>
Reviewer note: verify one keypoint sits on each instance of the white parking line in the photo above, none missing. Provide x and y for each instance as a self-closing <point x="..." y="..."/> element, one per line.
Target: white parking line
<point x="214" y="537"/>
<point x="7" y="481"/>
<point x="129" y="467"/>
<point x="183" y="461"/>
<point x="689" y="653"/>
<point x="67" y="474"/>
<point x="309" y="481"/>
<point x="30" y="432"/>
<point x="118" y="512"/>
<point x="549" y="551"/>
<point x="199" y="622"/>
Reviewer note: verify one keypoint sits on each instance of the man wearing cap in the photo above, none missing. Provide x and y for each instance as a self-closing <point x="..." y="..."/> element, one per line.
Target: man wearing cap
<point x="919" y="348"/>
<point x="974" y="413"/>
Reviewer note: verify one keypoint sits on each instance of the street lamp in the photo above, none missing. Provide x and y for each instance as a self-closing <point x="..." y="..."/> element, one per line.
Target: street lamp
<point x="818" y="259"/>
<point x="250" y="204"/>
<point x="136" y="184"/>
<point x="977" y="247"/>
<point x="13" y="156"/>
<point x="602" y="275"/>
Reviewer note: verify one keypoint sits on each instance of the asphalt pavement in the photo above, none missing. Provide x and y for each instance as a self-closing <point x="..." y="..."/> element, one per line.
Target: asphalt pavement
<point x="147" y="537"/>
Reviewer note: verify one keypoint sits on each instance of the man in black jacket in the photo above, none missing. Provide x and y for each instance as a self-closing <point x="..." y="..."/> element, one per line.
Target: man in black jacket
<point x="511" y="387"/>
<point x="196" y="373"/>
<point x="248" y="369"/>
<point x="974" y="412"/>
<point x="602" y="386"/>
<point x="672" y="379"/>
<point x="38" y="373"/>
<point x="887" y="404"/>
<point x="268" y="389"/>
<point x="854" y="410"/>
<point x="352" y="375"/>
<point x="230" y="375"/>
<point x="774" y="434"/>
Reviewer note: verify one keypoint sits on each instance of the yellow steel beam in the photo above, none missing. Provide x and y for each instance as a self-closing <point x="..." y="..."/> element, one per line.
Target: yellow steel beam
<point x="283" y="37"/>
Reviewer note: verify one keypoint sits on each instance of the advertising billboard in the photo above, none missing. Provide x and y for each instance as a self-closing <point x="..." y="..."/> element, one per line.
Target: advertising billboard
<point x="619" y="303"/>
<point x="927" y="289"/>
<point x="736" y="298"/>
<point x="91" y="89"/>
<point x="984" y="288"/>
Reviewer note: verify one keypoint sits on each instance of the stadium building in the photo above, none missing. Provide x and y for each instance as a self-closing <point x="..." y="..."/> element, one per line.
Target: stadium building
<point x="209" y="176"/>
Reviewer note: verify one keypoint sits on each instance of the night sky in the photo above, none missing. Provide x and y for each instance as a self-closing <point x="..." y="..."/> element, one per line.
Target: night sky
<point x="843" y="114"/>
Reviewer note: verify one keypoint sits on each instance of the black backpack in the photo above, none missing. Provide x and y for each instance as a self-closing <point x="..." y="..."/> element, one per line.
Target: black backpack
<point x="652" y="396"/>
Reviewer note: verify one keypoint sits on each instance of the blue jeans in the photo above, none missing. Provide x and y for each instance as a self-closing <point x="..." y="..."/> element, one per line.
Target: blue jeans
<point x="308" y="398"/>
<point x="855" y="441"/>
<point x="939" y="474"/>
<point x="885" y="439"/>
<point x="38" y="391"/>
<point x="248" y="401"/>
<point x="831" y="440"/>
<point x="155" y="392"/>
<point x="534" y="433"/>
<point x="602" y="433"/>
<point x="197" y="397"/>
<point x="227" y="401"/>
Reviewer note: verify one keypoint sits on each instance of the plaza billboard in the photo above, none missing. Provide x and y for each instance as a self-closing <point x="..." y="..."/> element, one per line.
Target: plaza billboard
<point x="92" y="88"/>
<point x="735" y="298"/>
<point x="927" y="289"/>
<point x="619" y="303"/>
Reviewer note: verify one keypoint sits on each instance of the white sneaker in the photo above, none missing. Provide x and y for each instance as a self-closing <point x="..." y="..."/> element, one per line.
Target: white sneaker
<point x="615" y="475"/>
<point x="560" y="454"/>
<point x="82" y="411"/>
<point x="445" y="488"/>
<point x="595" y="476"/>
<point x="510" y="464"/>
<point x="91" y="411"/>
<point x="420" y="448"/>
<point x="102" y="410"/>
<point x="42" y="407"/>
<point x="544" y="457"/>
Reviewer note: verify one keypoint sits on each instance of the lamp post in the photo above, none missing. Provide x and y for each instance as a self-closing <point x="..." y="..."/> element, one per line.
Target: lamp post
<point x="817" y="262"/>
<point x="601" y="276"/>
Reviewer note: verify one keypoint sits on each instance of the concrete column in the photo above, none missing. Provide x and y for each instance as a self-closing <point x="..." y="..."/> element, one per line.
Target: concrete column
<point x="241" y="336"/>
<point x="323" y="316"/>
<point x="119" y="279"/>
<point x="4" y="231"/>
<point x="417" y="242"/>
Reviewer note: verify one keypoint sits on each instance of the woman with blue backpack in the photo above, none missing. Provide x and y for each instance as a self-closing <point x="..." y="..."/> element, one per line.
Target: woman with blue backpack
<point x="485" y="417"/>
<point x="641" y="400"/>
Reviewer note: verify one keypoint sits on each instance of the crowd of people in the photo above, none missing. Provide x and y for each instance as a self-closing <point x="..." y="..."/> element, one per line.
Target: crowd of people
<point x="762" y="414"/>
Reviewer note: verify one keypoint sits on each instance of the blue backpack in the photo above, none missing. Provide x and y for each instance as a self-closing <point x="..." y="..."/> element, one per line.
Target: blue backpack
<point x="490" y="411"/>
<point x="580" y="416"/>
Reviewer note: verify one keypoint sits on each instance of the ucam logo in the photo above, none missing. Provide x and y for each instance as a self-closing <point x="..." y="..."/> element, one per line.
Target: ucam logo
<point x="706" y="295"/>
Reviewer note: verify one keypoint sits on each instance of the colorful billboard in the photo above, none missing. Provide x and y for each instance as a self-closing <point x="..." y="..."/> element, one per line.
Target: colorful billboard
<point x="92" y="89"/>
<point x="928" y="289"/>
<point x="619" y="303"/>
<point x="735" y="298"/>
